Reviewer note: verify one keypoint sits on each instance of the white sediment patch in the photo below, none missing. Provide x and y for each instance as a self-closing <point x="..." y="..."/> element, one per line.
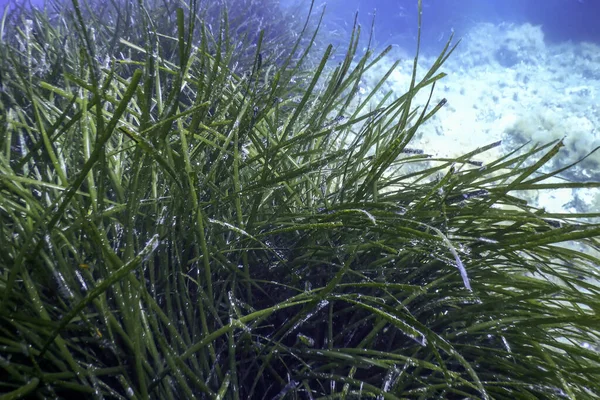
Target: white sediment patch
<point x="506" y="83"/>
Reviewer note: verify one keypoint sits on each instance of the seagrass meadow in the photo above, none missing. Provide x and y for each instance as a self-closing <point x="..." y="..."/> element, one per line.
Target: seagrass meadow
<point x="200" y="200"/>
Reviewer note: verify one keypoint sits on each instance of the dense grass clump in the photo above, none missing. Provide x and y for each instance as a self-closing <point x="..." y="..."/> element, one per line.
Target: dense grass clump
<point x="192" y="207"/>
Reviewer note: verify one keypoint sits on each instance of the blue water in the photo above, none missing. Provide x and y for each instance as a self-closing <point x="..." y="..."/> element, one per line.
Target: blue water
<point x="561" y="20"/>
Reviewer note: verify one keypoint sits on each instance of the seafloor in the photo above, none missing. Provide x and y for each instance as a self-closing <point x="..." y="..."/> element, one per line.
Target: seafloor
<point x="505" y="82"/>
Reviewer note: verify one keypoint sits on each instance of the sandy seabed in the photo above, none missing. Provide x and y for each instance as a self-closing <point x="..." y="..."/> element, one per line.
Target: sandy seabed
<point x="506" y="83"/>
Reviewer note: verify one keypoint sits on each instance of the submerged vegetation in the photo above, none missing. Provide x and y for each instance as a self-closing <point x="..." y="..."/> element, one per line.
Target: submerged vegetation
<point x="195" y="203"/>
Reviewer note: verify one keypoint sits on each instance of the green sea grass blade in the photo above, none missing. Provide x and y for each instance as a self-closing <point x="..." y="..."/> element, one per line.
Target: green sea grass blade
<point x="22" y="391"/>
<point x="68" y="195"/>
<point x="307" y="249"/>
<point x="101" y="288"/>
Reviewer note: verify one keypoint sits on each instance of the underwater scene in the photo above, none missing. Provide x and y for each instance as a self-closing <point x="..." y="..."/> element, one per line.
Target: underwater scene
<point x="524" y="71"/>
<point x="284" y="199"/>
